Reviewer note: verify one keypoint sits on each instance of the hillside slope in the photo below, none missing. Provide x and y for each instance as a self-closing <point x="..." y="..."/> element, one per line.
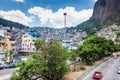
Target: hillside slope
<point x="7" y="23"/>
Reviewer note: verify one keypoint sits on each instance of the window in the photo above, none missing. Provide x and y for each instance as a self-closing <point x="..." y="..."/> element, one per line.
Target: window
<point x="33" y="40"/>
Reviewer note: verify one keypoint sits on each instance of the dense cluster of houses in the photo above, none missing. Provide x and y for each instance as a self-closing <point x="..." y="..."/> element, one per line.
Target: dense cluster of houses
<point x="109" y="32"/>
<point x="17" y="41"/>
<point x="69" y="39"/>
<point x="21" y="42"/>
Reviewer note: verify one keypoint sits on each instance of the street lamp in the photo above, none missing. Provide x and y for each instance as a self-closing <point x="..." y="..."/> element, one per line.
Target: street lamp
<point x="65" y="19"/>
<point x="65" y="27"/>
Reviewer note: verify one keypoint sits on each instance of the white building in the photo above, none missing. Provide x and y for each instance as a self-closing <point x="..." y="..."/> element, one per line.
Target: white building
<point x="3" y="32"/>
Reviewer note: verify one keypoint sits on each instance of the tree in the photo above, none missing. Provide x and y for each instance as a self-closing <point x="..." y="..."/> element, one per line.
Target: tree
<point x="10" y="54"/>
<point x="50" y="62"/>
<point x="53" y="60"/>
<point x="117" y="47"/>
<point x="117" y="40"/>
<point x="95" y="48"/>
<point x="25" y="72"/>
<point x="38" y="44"/>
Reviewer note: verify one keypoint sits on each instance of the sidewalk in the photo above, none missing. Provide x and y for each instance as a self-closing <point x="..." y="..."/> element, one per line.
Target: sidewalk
<point x="76" y="75"/>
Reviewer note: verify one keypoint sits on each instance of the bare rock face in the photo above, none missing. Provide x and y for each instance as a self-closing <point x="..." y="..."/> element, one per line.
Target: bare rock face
<point x="106" y="10"/>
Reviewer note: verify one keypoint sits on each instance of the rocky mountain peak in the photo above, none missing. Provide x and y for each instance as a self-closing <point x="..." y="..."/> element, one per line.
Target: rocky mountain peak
<point x="106" y="10"/>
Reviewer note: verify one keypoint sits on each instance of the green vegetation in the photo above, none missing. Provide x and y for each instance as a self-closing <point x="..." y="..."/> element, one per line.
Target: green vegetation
<point x="7" y="23"/>
<point x="118" y="33"/>
<point x="117" y="47"/>
<point x="117" y="40"/>
<point x="38" y="44"/>
<point x="82" y="68"/>
<point x="49" y="61"/>
<point x="73" y="55"/>
<point x="25" y="72"/>
<point x="90" y="26"/>
<point x="108" y="23"/>
<point x="95" y="48"/>
<point x="8" y="55"/>
<point x="116" y="21"/>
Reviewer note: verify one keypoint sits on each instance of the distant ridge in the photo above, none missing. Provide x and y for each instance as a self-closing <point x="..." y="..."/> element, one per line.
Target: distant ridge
<point x="7" y="23"/>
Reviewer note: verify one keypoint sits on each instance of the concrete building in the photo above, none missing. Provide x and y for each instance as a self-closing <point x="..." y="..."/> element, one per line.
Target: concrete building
<point x="5" y="44"/>
<point x="2" y="47"/>
<point x="28" y="40"/>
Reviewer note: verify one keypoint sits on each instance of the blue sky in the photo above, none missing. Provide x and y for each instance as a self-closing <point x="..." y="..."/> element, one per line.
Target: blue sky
<point x="46" y="12"/>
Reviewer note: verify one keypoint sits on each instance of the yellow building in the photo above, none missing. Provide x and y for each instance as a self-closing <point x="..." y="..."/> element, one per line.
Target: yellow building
<point x="28" y="40"/>
<point x="2" y="43"/>
<point x="5" y="44"/>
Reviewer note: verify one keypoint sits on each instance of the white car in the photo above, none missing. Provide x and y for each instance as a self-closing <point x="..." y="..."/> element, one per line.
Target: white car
<point x="1" y="66"/>
<point x="118" y="71"/>
<point x="115" y="57"/>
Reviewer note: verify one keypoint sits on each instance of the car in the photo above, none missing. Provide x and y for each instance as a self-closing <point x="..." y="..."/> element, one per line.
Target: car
<point x="5" y="65"/>
<point x="1" y="66"/>
<point x="16" y="60"/>
<point x="115" y="57"/>
<point x="118" y="71"/>
<point x="97" y="75"/>
<point x="11" y="65"/>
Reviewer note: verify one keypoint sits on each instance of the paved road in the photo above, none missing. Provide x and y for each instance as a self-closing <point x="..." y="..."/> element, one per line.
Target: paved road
<point x="108" y="68"/>
<point x="6" y="73"/>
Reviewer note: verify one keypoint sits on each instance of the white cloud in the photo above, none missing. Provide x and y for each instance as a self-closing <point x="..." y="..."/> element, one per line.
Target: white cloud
<point x="57" y="19"/>
<point x="43" y="14"/>
<point x="19" y="0"/>
<point x="16" y="16"/>
<point x="94" y="0"/>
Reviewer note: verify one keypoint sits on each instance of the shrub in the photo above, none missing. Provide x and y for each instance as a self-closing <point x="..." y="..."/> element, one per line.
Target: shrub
<point x="82" y="68"/>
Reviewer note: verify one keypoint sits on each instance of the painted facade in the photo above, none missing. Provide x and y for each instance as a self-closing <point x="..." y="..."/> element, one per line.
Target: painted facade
<point x="28" y="40"/>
